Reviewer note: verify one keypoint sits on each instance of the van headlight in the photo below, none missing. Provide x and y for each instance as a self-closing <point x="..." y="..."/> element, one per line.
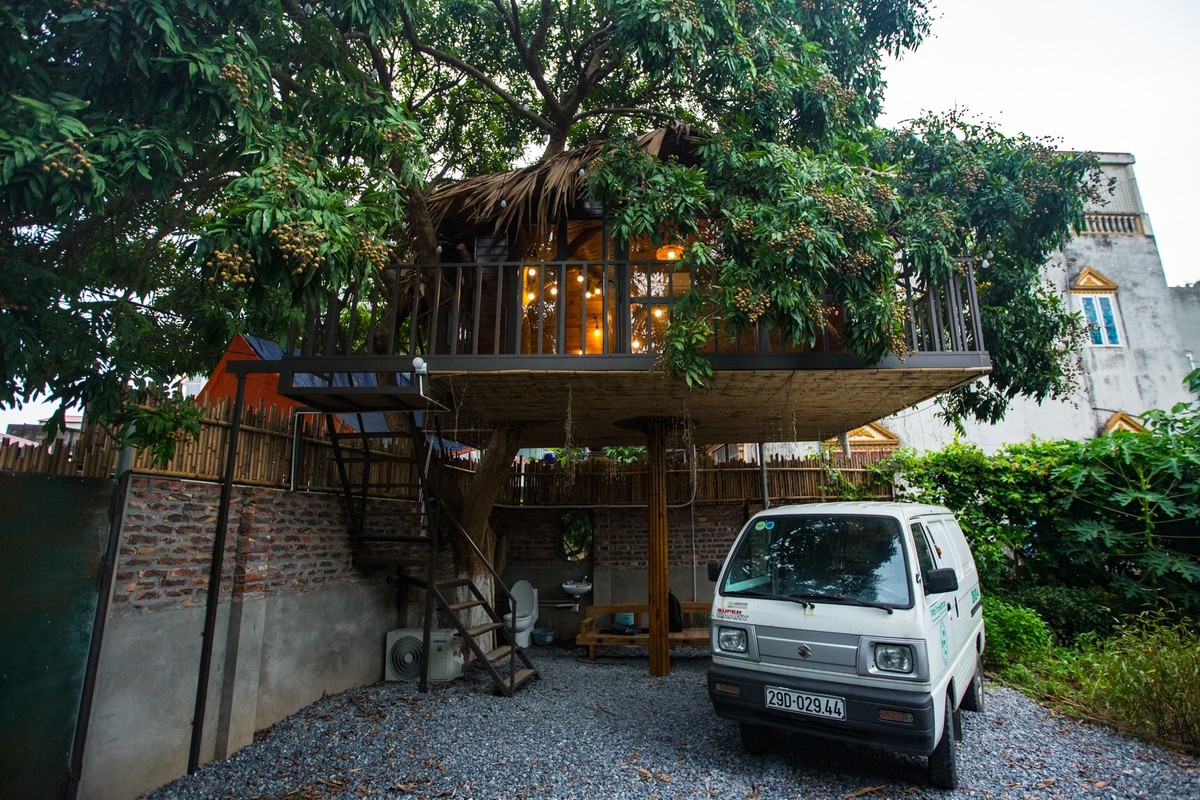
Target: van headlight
<point x="893" y="658"/>
<point x="732" y="640"/>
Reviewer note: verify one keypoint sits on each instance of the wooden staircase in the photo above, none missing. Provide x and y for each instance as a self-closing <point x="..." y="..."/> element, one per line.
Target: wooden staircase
<point x="412" y="547"/>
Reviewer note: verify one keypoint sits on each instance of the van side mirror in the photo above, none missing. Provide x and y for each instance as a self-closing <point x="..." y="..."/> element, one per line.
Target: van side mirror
<point x="714" y="571"/>
<point x="940" y="581"/>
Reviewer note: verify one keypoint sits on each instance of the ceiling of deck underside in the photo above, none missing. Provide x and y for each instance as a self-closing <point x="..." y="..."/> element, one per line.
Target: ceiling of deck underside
<point x="740" y="406"/>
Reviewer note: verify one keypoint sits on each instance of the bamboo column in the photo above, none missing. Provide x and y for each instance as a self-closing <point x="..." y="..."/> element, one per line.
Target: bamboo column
<point x="656" y="546"/>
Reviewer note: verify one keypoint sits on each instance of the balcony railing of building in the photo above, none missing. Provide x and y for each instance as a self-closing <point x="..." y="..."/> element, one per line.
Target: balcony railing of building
<point x="517" y="315"/>
<point x="1124" y="224"/>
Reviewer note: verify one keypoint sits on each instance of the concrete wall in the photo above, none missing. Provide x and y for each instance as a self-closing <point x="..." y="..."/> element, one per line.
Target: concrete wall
<point x="1186" y="301"/>
<point x="297" y="620"/>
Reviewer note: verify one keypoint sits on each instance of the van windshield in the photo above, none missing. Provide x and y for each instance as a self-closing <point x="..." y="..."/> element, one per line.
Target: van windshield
<point x="854" y="559"/>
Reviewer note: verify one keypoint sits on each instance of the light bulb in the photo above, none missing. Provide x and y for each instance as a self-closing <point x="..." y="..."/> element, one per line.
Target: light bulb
<point x="658" y="312"/>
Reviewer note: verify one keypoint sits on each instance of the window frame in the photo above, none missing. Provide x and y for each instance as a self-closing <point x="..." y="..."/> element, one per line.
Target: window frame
<point x="1097" y="325"/>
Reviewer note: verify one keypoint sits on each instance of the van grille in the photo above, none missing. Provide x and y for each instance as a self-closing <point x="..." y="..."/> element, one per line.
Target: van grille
<point x="828" y="652"/>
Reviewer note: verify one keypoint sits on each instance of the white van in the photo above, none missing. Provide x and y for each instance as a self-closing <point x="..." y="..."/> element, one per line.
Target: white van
<point x="860" y="622"/>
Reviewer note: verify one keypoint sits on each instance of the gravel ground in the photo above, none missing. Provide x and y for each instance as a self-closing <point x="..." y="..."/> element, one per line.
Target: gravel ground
<point x="608" y="730"/>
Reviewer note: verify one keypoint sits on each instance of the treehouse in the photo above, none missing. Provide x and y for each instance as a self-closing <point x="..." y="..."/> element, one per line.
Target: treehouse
<point x="537" y="315"/>
<point x="539" y="328"/>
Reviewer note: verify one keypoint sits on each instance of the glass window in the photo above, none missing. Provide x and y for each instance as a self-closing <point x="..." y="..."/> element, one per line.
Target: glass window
<point x="840" y="557"/>
<point x="1100" y="311"/>
<point x="924" y="549"/>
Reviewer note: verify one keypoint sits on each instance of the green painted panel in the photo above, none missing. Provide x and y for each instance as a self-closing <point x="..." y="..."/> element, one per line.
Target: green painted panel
<point x="52" y="534"/>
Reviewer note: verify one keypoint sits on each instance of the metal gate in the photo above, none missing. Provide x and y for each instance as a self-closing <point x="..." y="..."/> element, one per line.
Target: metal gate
<point x="53" y="531"/>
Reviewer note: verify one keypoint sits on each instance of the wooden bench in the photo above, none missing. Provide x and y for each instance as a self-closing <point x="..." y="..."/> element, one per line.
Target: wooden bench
<point x="595" y="632"/>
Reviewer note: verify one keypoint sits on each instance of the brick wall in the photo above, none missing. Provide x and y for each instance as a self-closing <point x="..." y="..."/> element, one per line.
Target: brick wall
<point x="620" y="534"/>
<point x="277" y="541"/>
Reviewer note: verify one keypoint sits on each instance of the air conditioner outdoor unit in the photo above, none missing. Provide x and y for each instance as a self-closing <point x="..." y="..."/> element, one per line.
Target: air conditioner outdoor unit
<point x="403" y="650"/>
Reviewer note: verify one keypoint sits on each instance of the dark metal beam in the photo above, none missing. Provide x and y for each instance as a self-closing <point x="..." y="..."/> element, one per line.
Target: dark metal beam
<point x="214" y="576"/>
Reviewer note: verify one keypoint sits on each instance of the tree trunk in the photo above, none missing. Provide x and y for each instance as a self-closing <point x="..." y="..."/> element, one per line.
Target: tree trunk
<point x="473" y="507"/>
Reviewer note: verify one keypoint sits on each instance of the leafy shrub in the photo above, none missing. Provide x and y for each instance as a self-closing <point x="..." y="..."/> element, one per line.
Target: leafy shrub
<point x="1148" y="676"/>
<point x="1144" y="679"/>
<point x="1015" y="636"/>
<point x="1070" y="611"/>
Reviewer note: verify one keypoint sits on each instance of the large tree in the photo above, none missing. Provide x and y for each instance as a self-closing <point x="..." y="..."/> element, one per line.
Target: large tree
<point x="171" y="172"/>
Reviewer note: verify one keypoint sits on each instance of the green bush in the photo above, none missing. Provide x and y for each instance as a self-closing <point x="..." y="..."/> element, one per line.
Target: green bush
<point x="1144" y="679"/>
<point x="1070" y="611"/>
<point x="1147" y="675"/>
<point x="1015" y="636"/>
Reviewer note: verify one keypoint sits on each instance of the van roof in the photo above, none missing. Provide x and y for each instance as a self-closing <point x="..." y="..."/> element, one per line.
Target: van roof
<point x="878" y="508"/>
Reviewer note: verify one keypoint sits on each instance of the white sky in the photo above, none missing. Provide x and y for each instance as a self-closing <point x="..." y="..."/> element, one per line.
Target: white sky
<point x="1099" y="75"/>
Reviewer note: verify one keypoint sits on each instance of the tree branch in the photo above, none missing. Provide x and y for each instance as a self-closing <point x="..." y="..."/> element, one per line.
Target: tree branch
<point x="472" y="71"/>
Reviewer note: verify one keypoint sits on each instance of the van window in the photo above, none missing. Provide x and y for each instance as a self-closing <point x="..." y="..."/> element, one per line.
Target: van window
<point x="939" y="540"/>
<point x="858" y="557"/>
<point x="924" y="549"/>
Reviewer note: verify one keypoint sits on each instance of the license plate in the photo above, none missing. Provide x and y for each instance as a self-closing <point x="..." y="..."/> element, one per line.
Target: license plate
<point x="815" y="705"/>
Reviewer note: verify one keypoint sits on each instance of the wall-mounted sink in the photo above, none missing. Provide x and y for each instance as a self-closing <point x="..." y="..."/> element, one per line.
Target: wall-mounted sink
<point x="577" y="588"/>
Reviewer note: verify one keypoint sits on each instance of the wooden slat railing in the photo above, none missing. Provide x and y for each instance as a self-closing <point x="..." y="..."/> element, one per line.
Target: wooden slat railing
<point x="281" y="450"/>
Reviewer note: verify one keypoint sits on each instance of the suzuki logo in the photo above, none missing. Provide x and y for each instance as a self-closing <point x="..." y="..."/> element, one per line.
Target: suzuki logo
<point x="804" y="651"/>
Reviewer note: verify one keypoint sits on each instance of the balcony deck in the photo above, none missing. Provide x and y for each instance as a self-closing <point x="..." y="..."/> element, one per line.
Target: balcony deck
<point x="541" y="342"/>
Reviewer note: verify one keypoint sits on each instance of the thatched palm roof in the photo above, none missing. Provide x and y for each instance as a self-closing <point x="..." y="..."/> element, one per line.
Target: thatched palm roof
<point x="538" y="194"/>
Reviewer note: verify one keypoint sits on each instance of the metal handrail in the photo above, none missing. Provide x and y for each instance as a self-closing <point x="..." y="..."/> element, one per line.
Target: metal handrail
<point x="532" y="309"/>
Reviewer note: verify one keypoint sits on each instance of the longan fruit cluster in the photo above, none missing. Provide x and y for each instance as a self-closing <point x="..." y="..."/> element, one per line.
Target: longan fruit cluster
<point x="800" y="232"/>
<point x="232" y="266"/>
<point x="99" y="5"/>
<point x="295" y="159"/>
<point x="857" y="262"/>
<point x="7" y="306"/>
<point x="73" y="169"/>
<point x="232" y="73"/>
<point x="300" y="246"/>
<point x="751" y="303"/>
<point x="376" y="253"/>
<point x="850" y="214"/>
<point x="398" y="135"/>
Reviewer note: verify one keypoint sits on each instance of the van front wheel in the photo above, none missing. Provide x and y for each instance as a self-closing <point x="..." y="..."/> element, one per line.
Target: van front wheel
<point x="943" y="761"/>
<point x="973" y="699"/>
<point x="755" y="738"/>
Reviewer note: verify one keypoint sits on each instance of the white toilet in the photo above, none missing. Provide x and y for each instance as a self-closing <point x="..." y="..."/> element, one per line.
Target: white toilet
<point x="526" y="598"/>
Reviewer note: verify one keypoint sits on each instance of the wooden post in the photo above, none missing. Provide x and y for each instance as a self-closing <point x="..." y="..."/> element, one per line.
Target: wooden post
<point x="656" y="546"/>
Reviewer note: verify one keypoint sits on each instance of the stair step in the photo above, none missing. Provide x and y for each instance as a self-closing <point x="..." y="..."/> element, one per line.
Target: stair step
<point x="521" y="677"/>
<point x="388" y="537"/>
<point x="487" y="627"/>
<point x="500" y="652"/>
<point x="386" y="561"/>
<point x="378" y="458"/>
<point x="375" y="435"/>
<point x="456" y="607"/>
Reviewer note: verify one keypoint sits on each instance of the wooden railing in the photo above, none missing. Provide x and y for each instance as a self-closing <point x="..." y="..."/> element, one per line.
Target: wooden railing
<point x="276" y="449"/>
<point x="283" y="451"/>
<point x="570" y="308"/>
<point x="601" y="482"/>
<point x="1124" y="224"/>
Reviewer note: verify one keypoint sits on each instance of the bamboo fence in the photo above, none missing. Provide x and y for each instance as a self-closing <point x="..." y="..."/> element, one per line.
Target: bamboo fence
<point x="286" y="450"/>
